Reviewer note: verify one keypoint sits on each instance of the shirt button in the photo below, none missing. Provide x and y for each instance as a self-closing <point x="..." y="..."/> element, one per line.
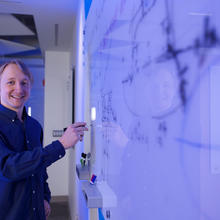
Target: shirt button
<point x="34" y="209"/>
<point x="12" y="120"/>
<point x="33" y="191"/>
<point x="27" y="141"/>
<point x="60" y="156"/>
<point x="32" y="175"/>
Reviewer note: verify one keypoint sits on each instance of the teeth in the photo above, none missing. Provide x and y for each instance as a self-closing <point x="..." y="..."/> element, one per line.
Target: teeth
<point x="17" y="97"/>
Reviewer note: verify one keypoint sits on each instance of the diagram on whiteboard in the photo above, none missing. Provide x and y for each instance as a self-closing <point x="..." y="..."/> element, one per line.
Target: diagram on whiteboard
<point x="149" y="64"/>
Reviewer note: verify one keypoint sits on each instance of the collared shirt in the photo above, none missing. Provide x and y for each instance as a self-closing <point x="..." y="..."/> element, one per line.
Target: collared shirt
<point x="23" y="163"/>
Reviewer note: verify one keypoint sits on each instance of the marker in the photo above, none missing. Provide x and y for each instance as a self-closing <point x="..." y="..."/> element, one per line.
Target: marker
<point x="84" y="126"/>
<point x="83" y="159"/>
<point x="97" y="126"/>
<point x="102" y="126"/>
<point x="83" y="155"/>
<point x="92" y="180"/>
<point x="88" y="156"/>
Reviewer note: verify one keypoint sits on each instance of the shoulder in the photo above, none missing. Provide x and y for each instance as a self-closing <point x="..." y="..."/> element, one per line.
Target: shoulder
<point x="33" y="123"/>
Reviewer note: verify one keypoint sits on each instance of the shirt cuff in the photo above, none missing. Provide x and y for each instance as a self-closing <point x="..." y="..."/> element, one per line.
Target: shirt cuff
<point x="54" y="152"/>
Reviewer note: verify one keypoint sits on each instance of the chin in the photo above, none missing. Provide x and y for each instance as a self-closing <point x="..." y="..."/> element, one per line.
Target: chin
<point x="17" y="106"/>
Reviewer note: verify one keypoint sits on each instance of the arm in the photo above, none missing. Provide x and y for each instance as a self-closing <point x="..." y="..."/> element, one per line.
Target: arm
<point x="15" y="166"/>
<point x="19" y="165"/>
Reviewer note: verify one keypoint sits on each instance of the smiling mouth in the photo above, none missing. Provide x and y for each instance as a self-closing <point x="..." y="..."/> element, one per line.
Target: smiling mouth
<point x="17" y="97"/>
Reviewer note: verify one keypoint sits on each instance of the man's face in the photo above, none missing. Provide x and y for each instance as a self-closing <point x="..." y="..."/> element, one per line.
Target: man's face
<point x="14" y="88"/>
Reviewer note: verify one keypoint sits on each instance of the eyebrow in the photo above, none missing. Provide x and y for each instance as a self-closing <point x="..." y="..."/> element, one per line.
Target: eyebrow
<point x="10" y="78"/>
<point x="15" y="78"/>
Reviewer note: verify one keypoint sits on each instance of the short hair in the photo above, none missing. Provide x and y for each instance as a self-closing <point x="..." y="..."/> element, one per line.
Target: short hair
<point x="21" y="66"/>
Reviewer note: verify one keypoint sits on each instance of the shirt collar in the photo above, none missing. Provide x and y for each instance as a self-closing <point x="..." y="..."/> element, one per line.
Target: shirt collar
<point x="10" y="113"/>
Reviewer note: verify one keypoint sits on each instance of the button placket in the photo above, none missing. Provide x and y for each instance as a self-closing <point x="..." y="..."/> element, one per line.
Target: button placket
<point x="33" y="188"/>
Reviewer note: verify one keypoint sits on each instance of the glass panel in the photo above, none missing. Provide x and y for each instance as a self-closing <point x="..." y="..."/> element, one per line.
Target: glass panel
<point x="154" y="70"/>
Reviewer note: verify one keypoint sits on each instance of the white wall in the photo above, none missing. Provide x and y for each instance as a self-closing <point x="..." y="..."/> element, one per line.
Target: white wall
<point x="57" y="113"/>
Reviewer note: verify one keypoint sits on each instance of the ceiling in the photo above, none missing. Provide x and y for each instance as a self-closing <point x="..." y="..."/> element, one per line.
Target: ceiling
<point x="29" y="27"/>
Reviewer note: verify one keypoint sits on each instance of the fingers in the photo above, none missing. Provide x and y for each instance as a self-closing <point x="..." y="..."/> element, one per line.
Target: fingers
<point x="79" y="124"/>
<point x="79" y="128"/>
<point x="47" y="208"/>
<point x="73" y="134"/>
<point x="81" y="134"/>
<point x="81" y="138"/>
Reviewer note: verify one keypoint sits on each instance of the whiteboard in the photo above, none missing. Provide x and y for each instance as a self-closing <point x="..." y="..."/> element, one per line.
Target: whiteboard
<point x="149" y="67"/>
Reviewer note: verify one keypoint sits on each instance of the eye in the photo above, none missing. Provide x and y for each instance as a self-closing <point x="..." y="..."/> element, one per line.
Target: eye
<point x="25" y="83"/>
<point x="11" y="82"/>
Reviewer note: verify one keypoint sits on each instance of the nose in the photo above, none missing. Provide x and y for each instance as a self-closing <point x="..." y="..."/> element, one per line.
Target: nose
<point x="18" y="87"/>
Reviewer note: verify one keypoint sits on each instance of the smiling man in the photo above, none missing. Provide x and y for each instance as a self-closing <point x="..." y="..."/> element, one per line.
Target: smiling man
<point x="15" y="88"/>
<point x="24" y="192"/>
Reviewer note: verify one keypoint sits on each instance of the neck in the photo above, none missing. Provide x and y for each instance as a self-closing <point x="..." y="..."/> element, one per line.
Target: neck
<point x="19" y="114"/>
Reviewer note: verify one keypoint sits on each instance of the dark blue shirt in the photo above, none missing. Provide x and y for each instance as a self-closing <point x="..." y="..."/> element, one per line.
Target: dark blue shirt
<point x="23" y="163"/>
